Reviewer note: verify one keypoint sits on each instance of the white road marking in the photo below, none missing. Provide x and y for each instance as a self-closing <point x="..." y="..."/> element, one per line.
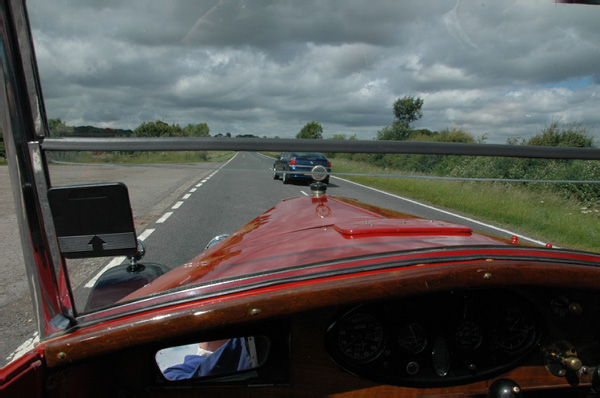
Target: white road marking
<point x="198" y="185"/>
<point x="447" y="212"/>
<point x="164" y="217"/>
<point x="144" y="235"/>
<point x="186" y="196"/>
<point x="177" y="205"/>
<point x="193" y="190"/>
<point x="117" y="260"/>
<point x="27" y="346"/>
<point x="113" y="263"/>
<point x="303" y="193"/>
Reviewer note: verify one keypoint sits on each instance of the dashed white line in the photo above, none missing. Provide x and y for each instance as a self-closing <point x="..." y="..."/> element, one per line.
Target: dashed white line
<point x="27" y="346"/>
<point x="144" y="235"/>
<point x="113" y="263"/>
<point x="193" y="190"/>
<point x="303" y="193"/>
<point x="117" y="260"/>
<point x="186" y="196"/>
<point x="164" y="217"/>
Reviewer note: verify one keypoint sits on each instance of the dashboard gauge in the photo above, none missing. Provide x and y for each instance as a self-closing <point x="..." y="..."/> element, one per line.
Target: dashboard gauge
<point x="412" y="338"/>
<point x="468" y="336"/>
<point x="560" y="305"/>
<point x="514" y="331"/>
<point x="360" y="337"/>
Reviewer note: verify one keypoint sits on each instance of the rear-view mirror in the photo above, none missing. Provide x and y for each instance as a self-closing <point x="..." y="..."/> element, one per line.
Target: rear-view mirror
<point x="93" y="220"/>
<point x="232" y="357"/>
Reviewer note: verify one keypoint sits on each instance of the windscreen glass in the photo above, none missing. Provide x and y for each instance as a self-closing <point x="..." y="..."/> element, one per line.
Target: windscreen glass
<point x="517" y="73"/>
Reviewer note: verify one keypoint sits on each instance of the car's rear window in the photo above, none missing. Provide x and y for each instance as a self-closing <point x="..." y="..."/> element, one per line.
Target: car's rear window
<point x="309" y="155"/>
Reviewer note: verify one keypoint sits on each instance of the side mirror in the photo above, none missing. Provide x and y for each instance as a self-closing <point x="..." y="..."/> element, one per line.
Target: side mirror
<point x="93" y="220"/>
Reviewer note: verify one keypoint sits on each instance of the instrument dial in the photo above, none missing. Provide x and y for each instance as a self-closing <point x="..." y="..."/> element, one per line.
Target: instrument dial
<point x="468" y="336"/>
<point x="412" y="338"/>
<point x="515" y="331"/>
<point x="360" y="337"/>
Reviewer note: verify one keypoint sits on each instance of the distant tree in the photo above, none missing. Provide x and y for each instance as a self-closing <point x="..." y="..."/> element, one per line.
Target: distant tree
<point x="196" y="130"/>
<point x="396" y="132"/>
<point x="407" y="110"/>
<point x="312" y="130"/>
<point x="453" y="135"/>
<point x="570" y="136"/>
<point x="158" y="128"/>
<point x="91" y="131"/>
<point x="53" y="123"/>
<point x="344" y="137"/>
<point x="58" y="128"/>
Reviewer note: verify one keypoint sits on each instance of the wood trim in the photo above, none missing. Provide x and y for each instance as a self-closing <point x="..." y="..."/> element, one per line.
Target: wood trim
<point x="286" y="300"/>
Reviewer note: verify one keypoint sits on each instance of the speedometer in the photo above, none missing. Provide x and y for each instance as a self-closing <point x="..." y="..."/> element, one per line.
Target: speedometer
<point x="514" y="331"/>
<point x="360" y="337"/>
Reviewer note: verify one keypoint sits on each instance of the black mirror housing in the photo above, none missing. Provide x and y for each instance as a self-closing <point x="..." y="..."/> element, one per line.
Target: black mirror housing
<point x="93" y="220"/>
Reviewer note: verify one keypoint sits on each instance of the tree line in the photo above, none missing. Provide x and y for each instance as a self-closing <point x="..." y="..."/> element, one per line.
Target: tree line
<point x="157" y="128"/>
<point x="407" y="110"/>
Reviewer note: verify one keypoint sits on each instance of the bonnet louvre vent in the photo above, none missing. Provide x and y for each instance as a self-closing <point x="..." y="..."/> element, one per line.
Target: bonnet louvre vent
<point x="399" y="226"/>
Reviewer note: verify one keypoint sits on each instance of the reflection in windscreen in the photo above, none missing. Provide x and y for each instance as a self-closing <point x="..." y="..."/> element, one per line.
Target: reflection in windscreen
<point x="213" y="358"/>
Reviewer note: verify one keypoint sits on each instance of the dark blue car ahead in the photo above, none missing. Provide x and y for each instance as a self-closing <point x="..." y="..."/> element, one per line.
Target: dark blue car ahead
<point x="298" y="165"/>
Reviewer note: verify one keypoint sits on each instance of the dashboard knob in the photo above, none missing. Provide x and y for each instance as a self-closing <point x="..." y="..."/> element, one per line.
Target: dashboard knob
<point x="572" y="363"/>
<point x="575" y="309"/>
<point x="504" y="388"/>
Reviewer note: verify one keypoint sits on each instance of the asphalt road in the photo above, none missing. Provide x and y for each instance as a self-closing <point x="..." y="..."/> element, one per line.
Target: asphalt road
<point x="177" y="211"/>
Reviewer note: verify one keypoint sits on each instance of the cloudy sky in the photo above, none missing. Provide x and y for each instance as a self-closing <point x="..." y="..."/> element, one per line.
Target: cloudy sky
<point x="266" y="67"/>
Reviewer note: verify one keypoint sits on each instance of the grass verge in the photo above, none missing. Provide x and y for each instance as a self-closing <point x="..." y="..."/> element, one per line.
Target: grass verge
<point x="141" y="157"/>
<point x="540" y="214"/>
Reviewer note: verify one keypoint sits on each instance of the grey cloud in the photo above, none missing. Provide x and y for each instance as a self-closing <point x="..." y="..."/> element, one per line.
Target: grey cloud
<point x="260" y="65"/>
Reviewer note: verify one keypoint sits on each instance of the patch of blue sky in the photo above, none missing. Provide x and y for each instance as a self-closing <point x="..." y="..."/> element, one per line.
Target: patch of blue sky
<point x="573" y="84"/>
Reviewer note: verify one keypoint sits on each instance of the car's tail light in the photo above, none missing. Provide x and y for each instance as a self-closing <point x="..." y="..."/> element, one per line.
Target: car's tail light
<point x="328" y="164"/>
<point x="292" y="161"/>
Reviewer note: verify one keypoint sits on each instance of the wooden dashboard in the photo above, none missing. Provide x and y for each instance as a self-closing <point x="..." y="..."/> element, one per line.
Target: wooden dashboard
<point x="120" y="358"/>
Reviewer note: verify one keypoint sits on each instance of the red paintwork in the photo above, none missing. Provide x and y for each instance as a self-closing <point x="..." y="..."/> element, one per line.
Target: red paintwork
<point x="24" y="376"/>
<point x="299" y="276"/>
<point x="309" y="230"/>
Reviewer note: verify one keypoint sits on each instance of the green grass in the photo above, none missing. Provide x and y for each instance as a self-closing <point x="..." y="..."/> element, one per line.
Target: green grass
<point x="540" y="214"/>
<point x="141" y="157"/>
